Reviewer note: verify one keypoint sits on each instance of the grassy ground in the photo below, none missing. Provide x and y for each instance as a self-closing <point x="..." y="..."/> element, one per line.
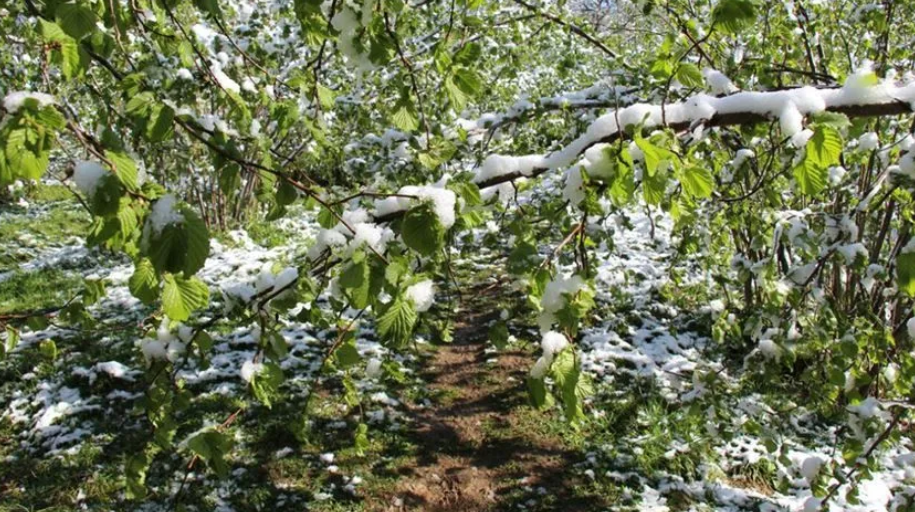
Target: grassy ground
<point x="37" y="290"/>
<point x="53" y="219"/>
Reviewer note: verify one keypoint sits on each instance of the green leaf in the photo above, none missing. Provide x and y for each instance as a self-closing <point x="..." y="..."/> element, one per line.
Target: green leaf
<point x="212" y="446"/>
<point x="51" y="118"/>
<point x="325" y="97"/>
<point x="356" y="280"/>
<point x="469" y="192"/>
<point x="381" y="46"/>
<point x="266" y="383"/>
<point x="396" y="322"/>
<point x="135" y="469"/>
<point x="12" y="339"/>
<point x="811" y="178"/>
<point x="654" y="155"/>
<point x="361" y="439"/>
<point x="825" y="147"/>
<point x="563" y="367"/>
<point x="230" y="179"/>
<point x="141" y="104"/>
<point x="27" y="153"/>
<point x="662" y="68"/>
<point x="350" y="392"/>
<point x="468" y="81"/>
<point x="654" y="186"/>
<point x="347" y="355"/>
<point x="286" y="194"/>
<point x="836" y="120"/>
<point x="181" y="296"/>
<point x="395" y="270"/>
<point x="405" y="116"/>
<point x="106" y="199"/>
<point x="731" y="16"/>
<point x="144" y="283"/>
<point x="102" y="44"/>
<point x="326" y="217"/>
<point x="538" y="394"/>
<point x="422" y="231"/>
<point x="276" y="349"/>
<point x="468" y="54"/>
<point x="823" y="150"/>
<point x="93" y="290"/>
<point x="498" y="335"/>
<point x="161" y="123"/>
<point x="574" y="385"/>
<point x="180" y="247"/>
<point x="697" y="182"/>
<point x="210" y="7"/>
<point x="128" y="221"/>
<point x="52" y="32"/>
<point x="72" y="59"/>
<point x="48" y="349"/>
<point x="905" y="273"/>
<point x="204" y="342"/>
<point x="456" y="96"/>
<point x="125" y="169"/>
<point x="75" y="19"/>
<point x="689" y="75"/>
<point x="103" y="230"/>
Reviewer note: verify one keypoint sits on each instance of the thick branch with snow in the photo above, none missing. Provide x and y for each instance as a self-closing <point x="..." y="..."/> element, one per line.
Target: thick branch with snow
<point x="789" y="107"/>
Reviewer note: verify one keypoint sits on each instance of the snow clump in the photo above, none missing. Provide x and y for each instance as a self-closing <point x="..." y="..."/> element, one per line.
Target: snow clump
<point x="88" y="176"/>
<point x="552" y="343"/>
<point x="15" y="100"/>
<point x="165" y="345"/>
<point x="164" y="213"/>
<point x="422" y="294"/>
<point x="249" y="369"/>
<point x="555" y="297"/>
<point x="443" y="201"/>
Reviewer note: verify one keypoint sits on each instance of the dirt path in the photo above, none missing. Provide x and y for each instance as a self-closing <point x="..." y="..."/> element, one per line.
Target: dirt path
<point x="480" y="447"/>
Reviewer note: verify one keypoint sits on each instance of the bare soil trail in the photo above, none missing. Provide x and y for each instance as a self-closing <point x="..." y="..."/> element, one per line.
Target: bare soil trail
<point x="480" y="447"/>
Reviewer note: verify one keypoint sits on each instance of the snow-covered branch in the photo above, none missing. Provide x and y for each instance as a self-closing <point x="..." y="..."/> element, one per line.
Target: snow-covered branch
<point x="855" y="99"/>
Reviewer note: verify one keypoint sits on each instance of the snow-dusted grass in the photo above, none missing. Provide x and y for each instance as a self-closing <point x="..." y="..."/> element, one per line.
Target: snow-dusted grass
<point x="682" y="422"/>
<point x="68" y="424"/>
<point x="47" y="222"/>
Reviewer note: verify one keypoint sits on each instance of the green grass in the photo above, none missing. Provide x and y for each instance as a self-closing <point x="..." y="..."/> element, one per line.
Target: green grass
<point x="761" y="476"/>
<point x="48" y="193"/>
<point x="60" y="222"/>
<point x="60" y="218"/>
<point x="267" y="234"/>
<point x="26" y="291"/>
